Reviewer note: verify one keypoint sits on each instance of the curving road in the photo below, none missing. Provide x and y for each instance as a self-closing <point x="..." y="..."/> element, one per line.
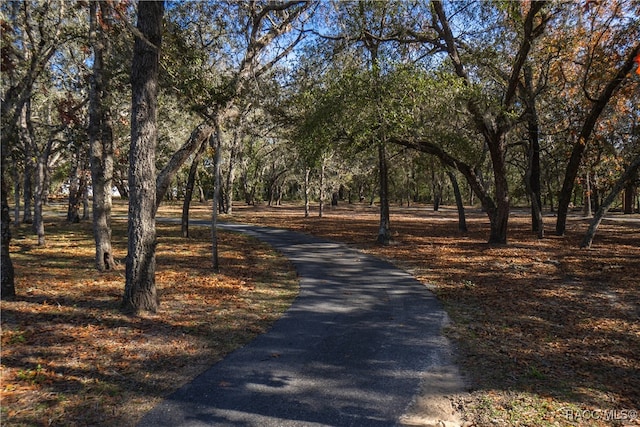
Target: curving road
<point x="352" y="350"/>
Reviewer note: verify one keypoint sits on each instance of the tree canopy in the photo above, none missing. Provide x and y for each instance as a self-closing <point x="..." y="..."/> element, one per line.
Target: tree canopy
<point x="533" y="104"/>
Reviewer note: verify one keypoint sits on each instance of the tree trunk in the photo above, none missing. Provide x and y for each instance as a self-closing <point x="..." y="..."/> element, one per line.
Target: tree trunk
<point x="231" y="173"/>
<point x="16" y="193"/>
<point x="372" y="193"/>
<point x="499" y="218"/>
<point x="627" y="177"/>
<point x="100" y="135"/>
<point x="321" y="196"/>
<point x="550" y="195"/>
<point x="579" y="147"/>
<point x="140" y="289"/>
<point x="595" y="193"/>
<point x="123" y="189"/>
<point x="85" y="203"/>
<point x="188" y="193"/>
<point x="384" y="231"/>
<point x="38" y="221"/>
<point x="436" y="186"/>
<point x="7" y="289"/>
<point x="29" y="167"/>
<point x="532" y="181"/>
<point x="77" y="182"/>
<point x="462" y="222"/>
<point x="201" y="196"/>
<point x="532" y="175"/>
<point x="494" y="128"/>
<point x="335" y="198"/>
<point x="198" y="137"/>
<point x="470" y="174"/>
<point x="587" y="196"/>
<point x="102" y="173"/>
<point x="307" y="171"/>
<point x="629" y="193"/>
<point x="216" y="193"/>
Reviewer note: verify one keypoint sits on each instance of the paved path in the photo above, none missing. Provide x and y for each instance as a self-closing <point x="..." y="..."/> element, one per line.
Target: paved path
<point x="351" y="351"/>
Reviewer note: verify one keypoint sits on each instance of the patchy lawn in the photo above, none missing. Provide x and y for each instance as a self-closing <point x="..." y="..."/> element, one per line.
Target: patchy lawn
<point x="71" y="358"/>
<point x="547" y="333"/>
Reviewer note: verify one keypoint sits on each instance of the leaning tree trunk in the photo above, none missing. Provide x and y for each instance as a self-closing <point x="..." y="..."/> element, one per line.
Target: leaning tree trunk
<point x="198" y="137"/>
<point x="140" y="289"/>
<point x="462" y="222"/>
<point x="628" y="175"/>
<point x="188" y="193"/>
<point x="585" y="134"/>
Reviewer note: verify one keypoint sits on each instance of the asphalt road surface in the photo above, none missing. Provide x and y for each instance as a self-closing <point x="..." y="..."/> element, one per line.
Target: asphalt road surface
<point x="352" y="350"/>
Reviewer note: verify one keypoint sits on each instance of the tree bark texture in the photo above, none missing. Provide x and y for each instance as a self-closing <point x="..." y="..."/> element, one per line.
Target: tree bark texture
<point x="217" y="159"/>
<point x="384" y="231"/>
<point x="77" y="183"/>
<point x="140" y="288"/>
<point x="532" y="175"/>
<point x="100" y="147"/>
<point x="26" y="139"/>
<point x="499" y="218"/>
<point x="16" y="191"/>
<point x="629" y="194"/>
<point x="7" y="289"/>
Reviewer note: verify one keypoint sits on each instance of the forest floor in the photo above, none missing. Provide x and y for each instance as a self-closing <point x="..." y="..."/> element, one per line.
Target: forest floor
<point x="70" y="357"/>
<point x="546" y="333"/>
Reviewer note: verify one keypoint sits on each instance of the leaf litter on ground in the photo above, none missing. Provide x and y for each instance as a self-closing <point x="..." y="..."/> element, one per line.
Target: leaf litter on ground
<point x="70" y="357"/>
<point x="546" y="333"/>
